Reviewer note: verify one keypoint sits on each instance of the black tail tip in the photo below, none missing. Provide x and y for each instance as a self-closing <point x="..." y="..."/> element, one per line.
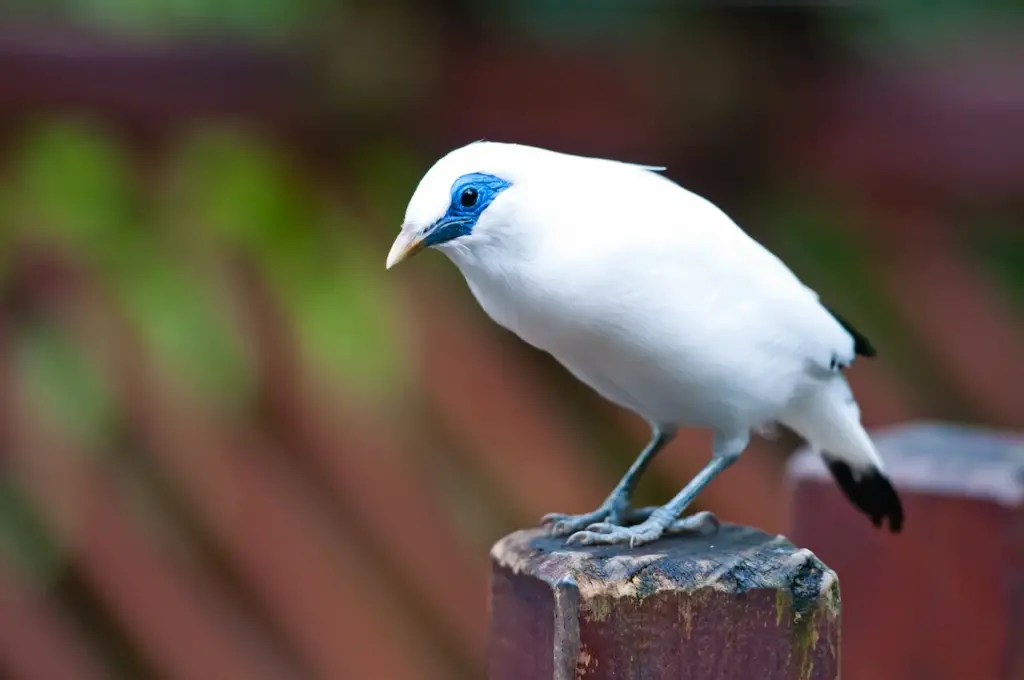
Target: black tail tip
<point x="871" y="491"/>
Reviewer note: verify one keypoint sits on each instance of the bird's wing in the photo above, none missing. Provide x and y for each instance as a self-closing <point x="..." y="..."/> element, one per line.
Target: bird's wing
<point x="658" y="236"/>
<point x="791" y="313"/>
<point x="737" y="284"/>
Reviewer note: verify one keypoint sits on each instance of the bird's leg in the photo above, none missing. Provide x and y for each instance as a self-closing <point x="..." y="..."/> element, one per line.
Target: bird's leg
<point x="666" y="518"/>
<point x="615" y="508"/>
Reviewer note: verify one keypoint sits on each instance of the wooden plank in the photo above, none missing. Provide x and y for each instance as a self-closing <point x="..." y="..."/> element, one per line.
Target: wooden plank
<point x="883" y="398"/>
<point x="336" y="611"/>
<point x="590" y="101"/>
<point x="176" y="616"/>
<point x="155" y="87"/>
<point x="357" y="456"/>
<point x="952" y="580"/>
<point x="937" y="285"/>
<point x="37" y="640"/>
<point x="513" y="428"/>
<point x="281" y="540"/>
<point x="736" y="605"/>
<point x="359" y="461"/>
<point x="319" y="587"/>
<point x="197" y="632"/>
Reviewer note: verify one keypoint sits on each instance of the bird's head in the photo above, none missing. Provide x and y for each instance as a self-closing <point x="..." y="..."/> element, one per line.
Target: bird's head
<point x="489" y="201"/>
<point x="464" y="202"/>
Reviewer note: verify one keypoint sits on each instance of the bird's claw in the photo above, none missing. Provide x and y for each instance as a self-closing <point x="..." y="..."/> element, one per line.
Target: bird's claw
<point x="703" y="523"/>
<point x="561" y="524"/>
<point x="608" y="533"/>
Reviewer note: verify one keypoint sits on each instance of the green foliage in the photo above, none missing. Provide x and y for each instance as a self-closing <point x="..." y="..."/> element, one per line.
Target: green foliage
<point x="925" y="23"/>
<point x="71" y="183"/>
<point x="345" y="319"/>
<point x="183" y="321"/>
<point x="24" y="540"/>
<point x="564" y="22"/>
<point x="163" y="251"/>
<point x="315" y="257"/>
<point x="250" y="19"/>
<point x="61" y="380"/>
<point x="998" y="242"/>
<point x="239" y="189"/>
<point x="385" y="176"/>
<point x="872" y="26"/>
<point x="76" y="190"/>
<point x="7" y="235"/>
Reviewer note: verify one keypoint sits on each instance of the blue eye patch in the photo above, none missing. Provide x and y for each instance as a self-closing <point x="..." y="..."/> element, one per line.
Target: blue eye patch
<point x="470" y="196"/>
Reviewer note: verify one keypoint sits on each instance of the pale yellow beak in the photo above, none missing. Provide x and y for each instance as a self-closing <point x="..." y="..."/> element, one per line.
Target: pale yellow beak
<point x="408" y="243"/>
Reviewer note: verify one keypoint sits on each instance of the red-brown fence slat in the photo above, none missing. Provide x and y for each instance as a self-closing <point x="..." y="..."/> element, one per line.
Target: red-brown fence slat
<point x="37" y="641"/>
<point x="596" y="101"/>
<point x="311" y="577"/>
<point x="957" y="315"/>
<point x="883" y="397"/>
<point x="364" y="468"/>
<point x="172" y="612"/>
<point x="947" y="122"/>
<point x="500" y="410"/>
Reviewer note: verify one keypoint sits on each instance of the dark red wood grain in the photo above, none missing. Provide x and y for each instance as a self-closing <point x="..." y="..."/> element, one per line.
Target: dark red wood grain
<point x="944" y="599"/>
<point x="737" y="605"/>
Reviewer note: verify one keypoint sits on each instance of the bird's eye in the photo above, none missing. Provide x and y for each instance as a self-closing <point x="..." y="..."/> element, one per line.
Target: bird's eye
<point x="468" y="197"/>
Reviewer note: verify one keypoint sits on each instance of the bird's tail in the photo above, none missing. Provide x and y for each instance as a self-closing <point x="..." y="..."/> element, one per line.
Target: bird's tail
<point x="829" y="419"/>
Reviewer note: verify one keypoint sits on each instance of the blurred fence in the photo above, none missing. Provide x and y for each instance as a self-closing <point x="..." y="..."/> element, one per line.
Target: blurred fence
<point x="233" y="448"/>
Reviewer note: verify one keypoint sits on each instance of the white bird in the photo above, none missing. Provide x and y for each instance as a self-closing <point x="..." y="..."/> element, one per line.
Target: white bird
<point x="656" y="299"/>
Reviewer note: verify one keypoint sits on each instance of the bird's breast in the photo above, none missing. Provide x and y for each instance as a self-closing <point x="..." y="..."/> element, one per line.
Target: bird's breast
<point x="595" y="342"/>
<point x="533" y="312"/>
<point x="672" y="349"/>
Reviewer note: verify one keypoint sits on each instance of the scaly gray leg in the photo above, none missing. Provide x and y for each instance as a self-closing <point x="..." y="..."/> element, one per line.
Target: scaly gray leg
<point x="666" y="518"/>
<point x="616" y="506"/>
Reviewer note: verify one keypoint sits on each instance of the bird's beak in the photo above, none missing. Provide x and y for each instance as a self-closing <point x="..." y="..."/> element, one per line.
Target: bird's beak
<point x="408" y="243"/>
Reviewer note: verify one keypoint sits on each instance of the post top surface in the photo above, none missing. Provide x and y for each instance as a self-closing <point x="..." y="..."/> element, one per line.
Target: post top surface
<point x="734" y="560"/>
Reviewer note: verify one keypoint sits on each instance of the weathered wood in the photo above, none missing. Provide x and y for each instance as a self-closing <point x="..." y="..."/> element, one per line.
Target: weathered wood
<point x="737" y="605"/>
<point x="944" y="599"/>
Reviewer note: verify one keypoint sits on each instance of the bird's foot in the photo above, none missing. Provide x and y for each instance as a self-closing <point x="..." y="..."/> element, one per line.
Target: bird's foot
<point x="614" y="510"/>
<point x="654" y="527"/>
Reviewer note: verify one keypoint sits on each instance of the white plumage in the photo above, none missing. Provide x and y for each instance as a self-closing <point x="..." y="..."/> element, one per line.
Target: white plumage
<point x="653" y="297"/>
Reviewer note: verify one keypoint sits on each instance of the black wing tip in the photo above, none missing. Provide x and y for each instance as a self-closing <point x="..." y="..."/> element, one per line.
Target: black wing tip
<point x="861" y="344"/>
<point x="872" y="493"/>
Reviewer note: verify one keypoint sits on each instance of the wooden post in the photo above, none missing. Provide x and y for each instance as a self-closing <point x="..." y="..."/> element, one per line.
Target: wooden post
<point x="738" y="605"/>
<point x="944" y="599"/>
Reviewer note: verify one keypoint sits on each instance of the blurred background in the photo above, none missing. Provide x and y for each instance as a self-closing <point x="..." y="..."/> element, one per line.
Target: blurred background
<point x="233" y="447"/>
